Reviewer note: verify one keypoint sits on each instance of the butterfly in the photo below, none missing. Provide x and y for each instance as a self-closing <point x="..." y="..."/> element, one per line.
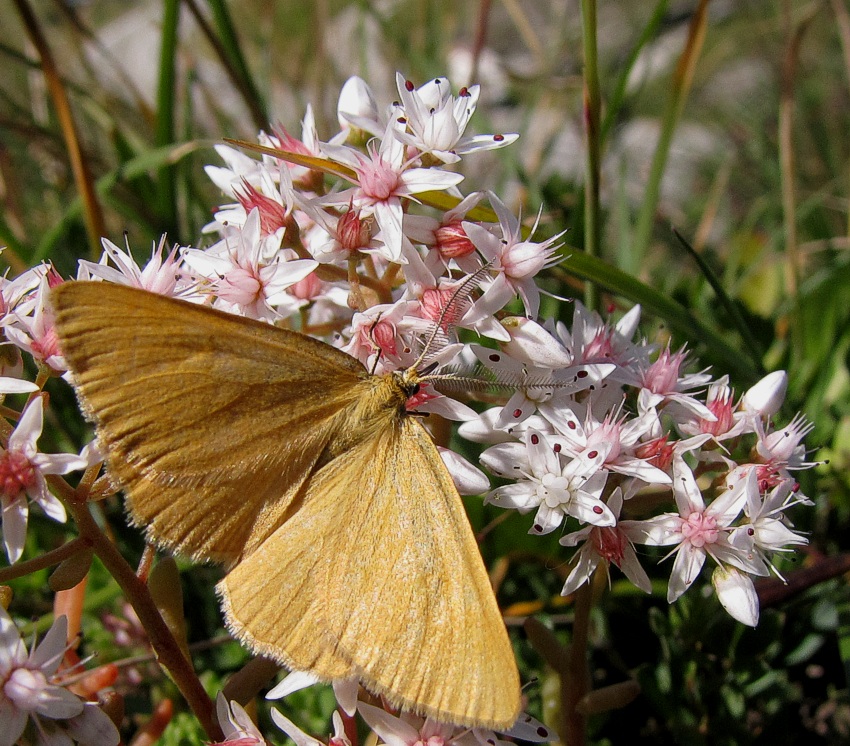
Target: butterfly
<point x="348" y="550"/>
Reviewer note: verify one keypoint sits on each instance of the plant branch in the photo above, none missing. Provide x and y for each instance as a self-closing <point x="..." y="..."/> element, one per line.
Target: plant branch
<point x="168" y="652"/>
<point x="48" y="559"/>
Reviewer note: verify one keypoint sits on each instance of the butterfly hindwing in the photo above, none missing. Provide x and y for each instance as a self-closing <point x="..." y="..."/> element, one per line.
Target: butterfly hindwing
<point x="395" y="584"/>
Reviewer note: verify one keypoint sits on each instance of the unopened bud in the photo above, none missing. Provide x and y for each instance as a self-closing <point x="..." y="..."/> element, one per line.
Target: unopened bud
<point x="766" y="397"/>
<point x="531" y="343"/>
<point x="353" y="232"/>
<point x="452" y="241"/>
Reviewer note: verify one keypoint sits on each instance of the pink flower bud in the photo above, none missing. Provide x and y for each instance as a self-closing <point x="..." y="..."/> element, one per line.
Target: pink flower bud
<point x="452" y="241"/>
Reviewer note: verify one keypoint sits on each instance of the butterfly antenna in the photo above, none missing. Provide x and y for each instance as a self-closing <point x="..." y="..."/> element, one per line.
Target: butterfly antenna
<point x="453" y="310"/>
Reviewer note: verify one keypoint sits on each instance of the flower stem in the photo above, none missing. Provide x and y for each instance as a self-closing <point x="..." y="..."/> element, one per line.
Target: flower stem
<point x="167" y="650"/>
<point x="577" y="681"/>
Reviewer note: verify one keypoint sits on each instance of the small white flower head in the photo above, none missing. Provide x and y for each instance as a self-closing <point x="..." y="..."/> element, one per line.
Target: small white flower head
<point x="35" y="331"/>
<point x="663" y="382"/>
<point x="550" y="483"/>
<point x="784" y="447"/>
<point x="22" y="472"/>
<point x="515" y="260"/>
<point x="383" y="178"/>
<point x="31" y="693"/>
<point x="162" y="274"/>
<point x="606" y="545"/>
<point x="768" y="531"/>
<point x="248" y="275"/>
<point x="593" y="340"/>
<point x="436" y="121"/>
<point x="700" y="531"/>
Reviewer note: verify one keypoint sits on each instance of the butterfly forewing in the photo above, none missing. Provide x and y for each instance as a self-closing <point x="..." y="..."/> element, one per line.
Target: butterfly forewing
<point x="211" y="422"/>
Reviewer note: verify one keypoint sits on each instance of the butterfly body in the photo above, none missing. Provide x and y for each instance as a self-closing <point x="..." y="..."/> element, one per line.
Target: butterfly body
<point x="348" y="549"/>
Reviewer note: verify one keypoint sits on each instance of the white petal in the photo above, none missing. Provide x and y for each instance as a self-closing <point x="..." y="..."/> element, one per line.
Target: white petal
<point x="531" y="343"/>
<point x="468" y="479"/>
<point x="346" y="691"/>
<point x="688" y="495"/>
<point x="12" y="650"/>
<point x="527" y="728"/>
<point x="591" y="510"/>
<point x="16" y="386"/>
<point x="48" y="654"/>
<point x="58" y="703"/>
<point x="506" y="460"/>
<point x="686" y="567"/>
<point x="28" y="429"/>
<point x="522" y="496"/>
<point x="546" y="520"/>
<point x="587" y="563"/>
<point x="633" y="570"/>
<point x="14" y="721"/>
<point x="93" y="725"/>
<point x="661" y="530"/>
<point x="392" y="730"/>
<point x="15" y="516"/>
<point x="292" y="683"/>
<point x="293" y="731"/>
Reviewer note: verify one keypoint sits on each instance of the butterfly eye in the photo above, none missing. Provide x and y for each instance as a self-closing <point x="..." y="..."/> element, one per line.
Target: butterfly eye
<point x="414" y="390"/>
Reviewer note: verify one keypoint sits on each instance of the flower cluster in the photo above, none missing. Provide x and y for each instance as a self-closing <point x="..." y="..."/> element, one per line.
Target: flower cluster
<point x="365" y="240"/>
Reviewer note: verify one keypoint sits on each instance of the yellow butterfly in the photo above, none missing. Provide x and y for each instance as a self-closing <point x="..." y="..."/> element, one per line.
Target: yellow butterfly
<point x="283" y="458"/>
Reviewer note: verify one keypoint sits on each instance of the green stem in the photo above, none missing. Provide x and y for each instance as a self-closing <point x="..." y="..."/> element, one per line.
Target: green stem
<point x="577" y="682"/>
<point x="592" y="106"/>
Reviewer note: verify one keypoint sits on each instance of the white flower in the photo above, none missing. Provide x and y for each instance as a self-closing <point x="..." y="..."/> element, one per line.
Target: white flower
<point x="516" y="261"/>
<point x="608" y="545"/>
<point x="244" y="279"/>
<point x="29" y="692"/>
<point x="555" y="486"/>
<point x="162" y="275"/>
<point x="22" y="470"/>
<point x="436" y="120"/>
<point x="383" y="178"/>
<point x="701" y="531"/>
<point x="35" y="332"/>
